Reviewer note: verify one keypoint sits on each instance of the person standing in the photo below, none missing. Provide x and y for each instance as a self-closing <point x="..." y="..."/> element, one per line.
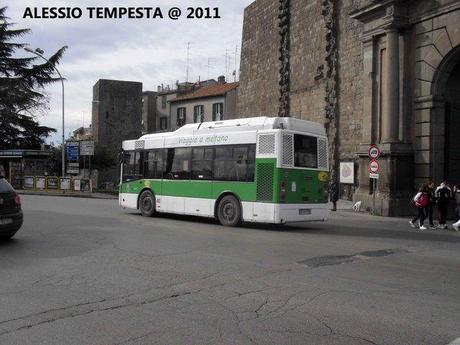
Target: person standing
<point x="431" y="203"/>
<point x="443" y="194"/>
<point x="421" y="201"/>
<point x="456" y="196"/>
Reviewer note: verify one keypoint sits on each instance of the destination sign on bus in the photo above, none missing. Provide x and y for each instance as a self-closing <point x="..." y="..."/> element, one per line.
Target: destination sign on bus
<point x="203" y="140"/>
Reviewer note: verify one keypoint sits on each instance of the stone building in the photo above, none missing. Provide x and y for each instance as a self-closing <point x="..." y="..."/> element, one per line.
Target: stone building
<point x="212" y="103"/>
<point x="116" y="116"/>
<point x="384" y="72"/>
<point x="149" y="112"/>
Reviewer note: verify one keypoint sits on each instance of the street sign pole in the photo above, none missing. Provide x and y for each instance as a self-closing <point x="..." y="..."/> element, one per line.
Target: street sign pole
<point x="374" y="153"/>
<point x="374" y="187"/>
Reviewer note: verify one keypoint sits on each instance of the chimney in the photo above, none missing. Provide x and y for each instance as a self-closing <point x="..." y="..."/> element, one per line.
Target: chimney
<point x="221" y="80"/>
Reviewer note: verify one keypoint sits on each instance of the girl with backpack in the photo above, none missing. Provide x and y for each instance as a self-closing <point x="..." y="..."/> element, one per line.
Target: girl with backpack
<point x="421" y="200"/>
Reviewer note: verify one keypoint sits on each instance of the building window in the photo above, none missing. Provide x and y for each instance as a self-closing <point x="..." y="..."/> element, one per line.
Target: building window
<point x="218" y="111"/>
<point x="163" y="123"/>
<point x="198" y="113"/>
<point x="181" y="116"/>
<point x="163" y="102"/>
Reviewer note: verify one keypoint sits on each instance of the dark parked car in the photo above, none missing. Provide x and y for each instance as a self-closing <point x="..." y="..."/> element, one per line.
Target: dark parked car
<point x="10" y="210"/>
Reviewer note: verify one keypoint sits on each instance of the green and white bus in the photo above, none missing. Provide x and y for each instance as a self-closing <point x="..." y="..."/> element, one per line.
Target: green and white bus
<point x="261" y="169"/>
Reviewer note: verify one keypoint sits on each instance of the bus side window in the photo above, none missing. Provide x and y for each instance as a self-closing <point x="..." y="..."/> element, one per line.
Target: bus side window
<point x="178" y="164"/>
<point x="133" y="166"/>
<point x="153" y="164"/>
<point x="234" y="163"/>
<point x="251" y="162"/>
<point x="202" y="163"/>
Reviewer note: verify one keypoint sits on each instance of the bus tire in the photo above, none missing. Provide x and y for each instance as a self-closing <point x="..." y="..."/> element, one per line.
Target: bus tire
<point x="229" y="211"/>
<point x="147" y="203"/>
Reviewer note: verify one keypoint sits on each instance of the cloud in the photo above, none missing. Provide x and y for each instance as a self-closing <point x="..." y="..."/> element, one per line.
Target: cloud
<point x="152" y="51"/>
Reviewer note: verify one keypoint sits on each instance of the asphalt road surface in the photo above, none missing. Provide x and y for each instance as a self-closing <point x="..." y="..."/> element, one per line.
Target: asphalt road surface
<point x="83" y="271"/>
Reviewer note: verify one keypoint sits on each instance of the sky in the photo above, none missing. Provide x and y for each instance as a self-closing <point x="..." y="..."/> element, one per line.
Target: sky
<point x="152" y="51"/>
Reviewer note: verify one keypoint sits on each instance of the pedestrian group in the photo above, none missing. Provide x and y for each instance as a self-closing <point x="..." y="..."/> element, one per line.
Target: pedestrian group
<point x="429" y="197"/>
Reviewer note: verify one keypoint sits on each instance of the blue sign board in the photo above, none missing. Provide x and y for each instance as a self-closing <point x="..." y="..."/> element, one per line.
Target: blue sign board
<point x="72" y="151"/>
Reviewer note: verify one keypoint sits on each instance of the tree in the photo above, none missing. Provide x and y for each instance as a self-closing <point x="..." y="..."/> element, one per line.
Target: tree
<point x="103" y="159"/>
<point x="22" y="84"/>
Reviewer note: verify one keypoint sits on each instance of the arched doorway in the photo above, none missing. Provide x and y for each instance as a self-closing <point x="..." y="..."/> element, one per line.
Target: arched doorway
<point x="446" y="88"/>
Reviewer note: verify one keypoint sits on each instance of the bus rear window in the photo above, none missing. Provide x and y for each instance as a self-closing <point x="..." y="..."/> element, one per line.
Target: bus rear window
<point x="306" y="151"/>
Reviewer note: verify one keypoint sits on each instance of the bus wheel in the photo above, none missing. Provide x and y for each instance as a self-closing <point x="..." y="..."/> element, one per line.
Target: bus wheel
<point x="147" y="203"/>
<point x="229" y="211"/>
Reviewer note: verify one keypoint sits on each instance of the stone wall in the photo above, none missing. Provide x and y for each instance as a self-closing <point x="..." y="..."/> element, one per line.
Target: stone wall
<point x="259" y="61"/>
<point x="350" y="85"/>
<point x="307" y="60"/>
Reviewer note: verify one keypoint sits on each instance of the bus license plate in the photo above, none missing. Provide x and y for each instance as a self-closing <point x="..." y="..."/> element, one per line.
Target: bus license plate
<point x="6" y="220"/>
<point x="304" y="211"/>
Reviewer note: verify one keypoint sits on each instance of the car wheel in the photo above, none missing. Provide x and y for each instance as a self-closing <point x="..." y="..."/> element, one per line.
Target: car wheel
<point x="229" y="211"/>
<point x="147" y="203"/>
<point x="7" y="236"/>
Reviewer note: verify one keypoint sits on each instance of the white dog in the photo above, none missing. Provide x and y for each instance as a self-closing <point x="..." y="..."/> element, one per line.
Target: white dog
<point x="357" y="206"/>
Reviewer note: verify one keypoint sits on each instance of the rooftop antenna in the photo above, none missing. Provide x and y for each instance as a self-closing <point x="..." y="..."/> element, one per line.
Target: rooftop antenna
<point x="209" y="67"/>
<point x="188" y="61"/>
<point x="226" y="64"/>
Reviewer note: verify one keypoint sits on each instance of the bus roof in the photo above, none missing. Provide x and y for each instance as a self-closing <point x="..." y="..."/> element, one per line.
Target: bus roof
<point x="243" y="125"/>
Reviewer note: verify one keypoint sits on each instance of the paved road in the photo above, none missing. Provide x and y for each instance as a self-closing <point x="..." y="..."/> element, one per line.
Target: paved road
<point x="82" y="271"/>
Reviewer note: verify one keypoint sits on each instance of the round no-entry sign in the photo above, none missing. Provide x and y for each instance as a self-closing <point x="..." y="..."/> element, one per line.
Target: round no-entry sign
<point x="374" y="166"/>
<point x="374" y="152"/>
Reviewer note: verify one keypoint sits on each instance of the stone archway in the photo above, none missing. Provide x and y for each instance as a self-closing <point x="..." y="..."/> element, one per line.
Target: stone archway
<point x="446" y="90"/>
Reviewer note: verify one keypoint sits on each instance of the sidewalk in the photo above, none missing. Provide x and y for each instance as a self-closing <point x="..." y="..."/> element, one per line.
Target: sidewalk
<point x="68" y="194"/>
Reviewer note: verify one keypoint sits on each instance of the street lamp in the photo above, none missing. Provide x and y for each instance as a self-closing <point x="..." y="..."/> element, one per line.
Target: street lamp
<point x="39" y="52"/>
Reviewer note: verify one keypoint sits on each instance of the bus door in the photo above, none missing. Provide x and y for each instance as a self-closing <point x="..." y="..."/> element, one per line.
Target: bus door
<point x="201" y="173"/>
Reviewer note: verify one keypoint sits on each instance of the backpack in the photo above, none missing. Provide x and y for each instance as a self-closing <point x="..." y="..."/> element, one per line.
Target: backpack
<point x="422" y="201"/>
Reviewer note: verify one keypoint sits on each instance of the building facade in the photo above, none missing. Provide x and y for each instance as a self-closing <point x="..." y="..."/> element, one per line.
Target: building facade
<point x="212" y="103"/>
<point x="383" y="72"/>
<point x="116" y="116"/>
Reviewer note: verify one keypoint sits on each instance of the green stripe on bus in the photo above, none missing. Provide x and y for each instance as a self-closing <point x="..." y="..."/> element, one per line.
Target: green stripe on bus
<point x="302" y="186"/>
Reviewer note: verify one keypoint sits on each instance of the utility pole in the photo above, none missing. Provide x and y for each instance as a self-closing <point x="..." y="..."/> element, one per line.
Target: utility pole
<point x="188" y="62"/>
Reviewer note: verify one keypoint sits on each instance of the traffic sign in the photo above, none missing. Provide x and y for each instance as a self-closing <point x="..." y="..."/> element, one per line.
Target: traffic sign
<point x="374" y="166"/>
<point x="72" y="151"/>
<point x="374" y="176"/>
<point x="87" y="148"/>
<point x="73" y="168"/>
<point x="374" y="152"/>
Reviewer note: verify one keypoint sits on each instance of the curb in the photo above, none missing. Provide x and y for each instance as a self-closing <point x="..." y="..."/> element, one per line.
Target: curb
<point x="83" y="195"/>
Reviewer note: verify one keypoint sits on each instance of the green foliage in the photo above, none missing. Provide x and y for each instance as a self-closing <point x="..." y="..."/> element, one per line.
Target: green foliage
<point x="22" y="84"/>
